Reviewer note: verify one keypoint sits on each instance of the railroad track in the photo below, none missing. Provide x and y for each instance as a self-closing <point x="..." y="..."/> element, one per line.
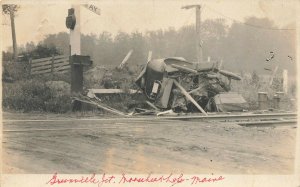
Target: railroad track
<point x="246" y="119"/>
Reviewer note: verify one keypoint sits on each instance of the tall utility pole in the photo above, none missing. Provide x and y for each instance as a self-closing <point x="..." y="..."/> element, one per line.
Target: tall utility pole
<point x="13" y="32"/>
<point x="198" y="31"/>
<point x="11" y="9"/>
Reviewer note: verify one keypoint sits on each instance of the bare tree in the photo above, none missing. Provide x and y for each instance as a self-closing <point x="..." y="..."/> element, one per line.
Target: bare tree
<point x="11" y="9"/>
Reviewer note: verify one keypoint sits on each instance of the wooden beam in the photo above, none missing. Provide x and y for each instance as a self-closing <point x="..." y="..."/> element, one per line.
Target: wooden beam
<point x="189" y="97"/>
<point x="125" y="59"/>
<point x="152" y="105"/>
<point x="114" y="111"/>
<point x="113" y="91"/>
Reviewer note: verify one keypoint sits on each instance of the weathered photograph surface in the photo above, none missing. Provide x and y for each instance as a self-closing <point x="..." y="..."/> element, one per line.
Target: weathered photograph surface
<point x="131" y="86"/>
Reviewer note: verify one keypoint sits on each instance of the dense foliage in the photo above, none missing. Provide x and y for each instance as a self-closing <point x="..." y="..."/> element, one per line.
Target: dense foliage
<point x="240" y="47"/>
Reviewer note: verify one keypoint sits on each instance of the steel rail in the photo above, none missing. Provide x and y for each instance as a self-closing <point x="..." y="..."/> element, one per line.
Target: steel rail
<point x="217" y="117"/>
<point x="58" y="129"/>
<point x="237" y="116"/>
<point x="262" y="123"/>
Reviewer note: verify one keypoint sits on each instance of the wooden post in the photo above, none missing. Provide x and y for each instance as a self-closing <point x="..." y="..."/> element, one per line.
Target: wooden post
<point x="13" y="32"/>
<point x="76" y="78"/>
<point x="76" y="69"/>
<point x="262" y="101"/>
<point x="189" y="97"/>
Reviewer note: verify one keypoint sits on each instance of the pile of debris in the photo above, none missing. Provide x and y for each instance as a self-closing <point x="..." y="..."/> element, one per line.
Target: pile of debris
<point x="173" y="85"/>
<point x="179" y="85"/>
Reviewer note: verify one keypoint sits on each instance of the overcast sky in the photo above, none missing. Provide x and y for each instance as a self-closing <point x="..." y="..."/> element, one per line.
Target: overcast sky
<point x="36" y="19"/>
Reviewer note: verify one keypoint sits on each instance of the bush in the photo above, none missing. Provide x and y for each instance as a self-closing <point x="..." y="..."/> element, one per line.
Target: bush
<point x="33" y="95"/>
<point x="15" y="70"/>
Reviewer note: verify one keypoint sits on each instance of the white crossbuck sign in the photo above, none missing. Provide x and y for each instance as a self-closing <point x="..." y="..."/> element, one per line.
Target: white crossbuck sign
<point x="92" y="8"/>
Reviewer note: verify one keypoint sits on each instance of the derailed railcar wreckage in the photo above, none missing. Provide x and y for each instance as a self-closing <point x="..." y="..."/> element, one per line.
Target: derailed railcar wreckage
<point x="176" y="84"/>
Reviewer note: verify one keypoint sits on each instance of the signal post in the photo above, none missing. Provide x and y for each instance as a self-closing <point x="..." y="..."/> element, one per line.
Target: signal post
<point x="77" y="61"/>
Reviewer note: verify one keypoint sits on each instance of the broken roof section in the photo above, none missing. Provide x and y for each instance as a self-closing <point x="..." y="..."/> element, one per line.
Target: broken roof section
<point x="165" y="64"/>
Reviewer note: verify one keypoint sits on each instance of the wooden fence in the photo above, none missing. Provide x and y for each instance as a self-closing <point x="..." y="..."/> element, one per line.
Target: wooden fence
<point x="54" y="64"/>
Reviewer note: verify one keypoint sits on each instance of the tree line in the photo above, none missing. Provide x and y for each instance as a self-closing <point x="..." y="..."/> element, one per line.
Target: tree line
<point x="240" y="46"/>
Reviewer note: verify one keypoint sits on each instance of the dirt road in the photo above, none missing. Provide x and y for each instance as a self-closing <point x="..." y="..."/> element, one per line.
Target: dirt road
<point x="139" y="146"/>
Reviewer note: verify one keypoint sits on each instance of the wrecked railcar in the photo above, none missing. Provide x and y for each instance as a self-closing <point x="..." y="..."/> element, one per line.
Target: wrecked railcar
<point x="174" y="83"/>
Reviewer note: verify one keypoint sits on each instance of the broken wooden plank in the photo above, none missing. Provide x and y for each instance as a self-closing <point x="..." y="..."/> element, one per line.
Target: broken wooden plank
<point x="125" y="59"/>
<point x="152" y="105"/>
<point x="167" y="112"/>
<point x="230" y="75"/>
<point x="113" y="91"/>
<point x="189" y="97"/>
<point x="114" y="111"/>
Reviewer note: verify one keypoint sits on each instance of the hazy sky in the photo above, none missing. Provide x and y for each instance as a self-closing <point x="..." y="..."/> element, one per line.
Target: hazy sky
<point x="36" y="19"/>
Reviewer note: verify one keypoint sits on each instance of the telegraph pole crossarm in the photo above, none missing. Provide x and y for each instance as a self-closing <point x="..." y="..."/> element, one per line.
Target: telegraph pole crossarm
<point x="191" y="6"/>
